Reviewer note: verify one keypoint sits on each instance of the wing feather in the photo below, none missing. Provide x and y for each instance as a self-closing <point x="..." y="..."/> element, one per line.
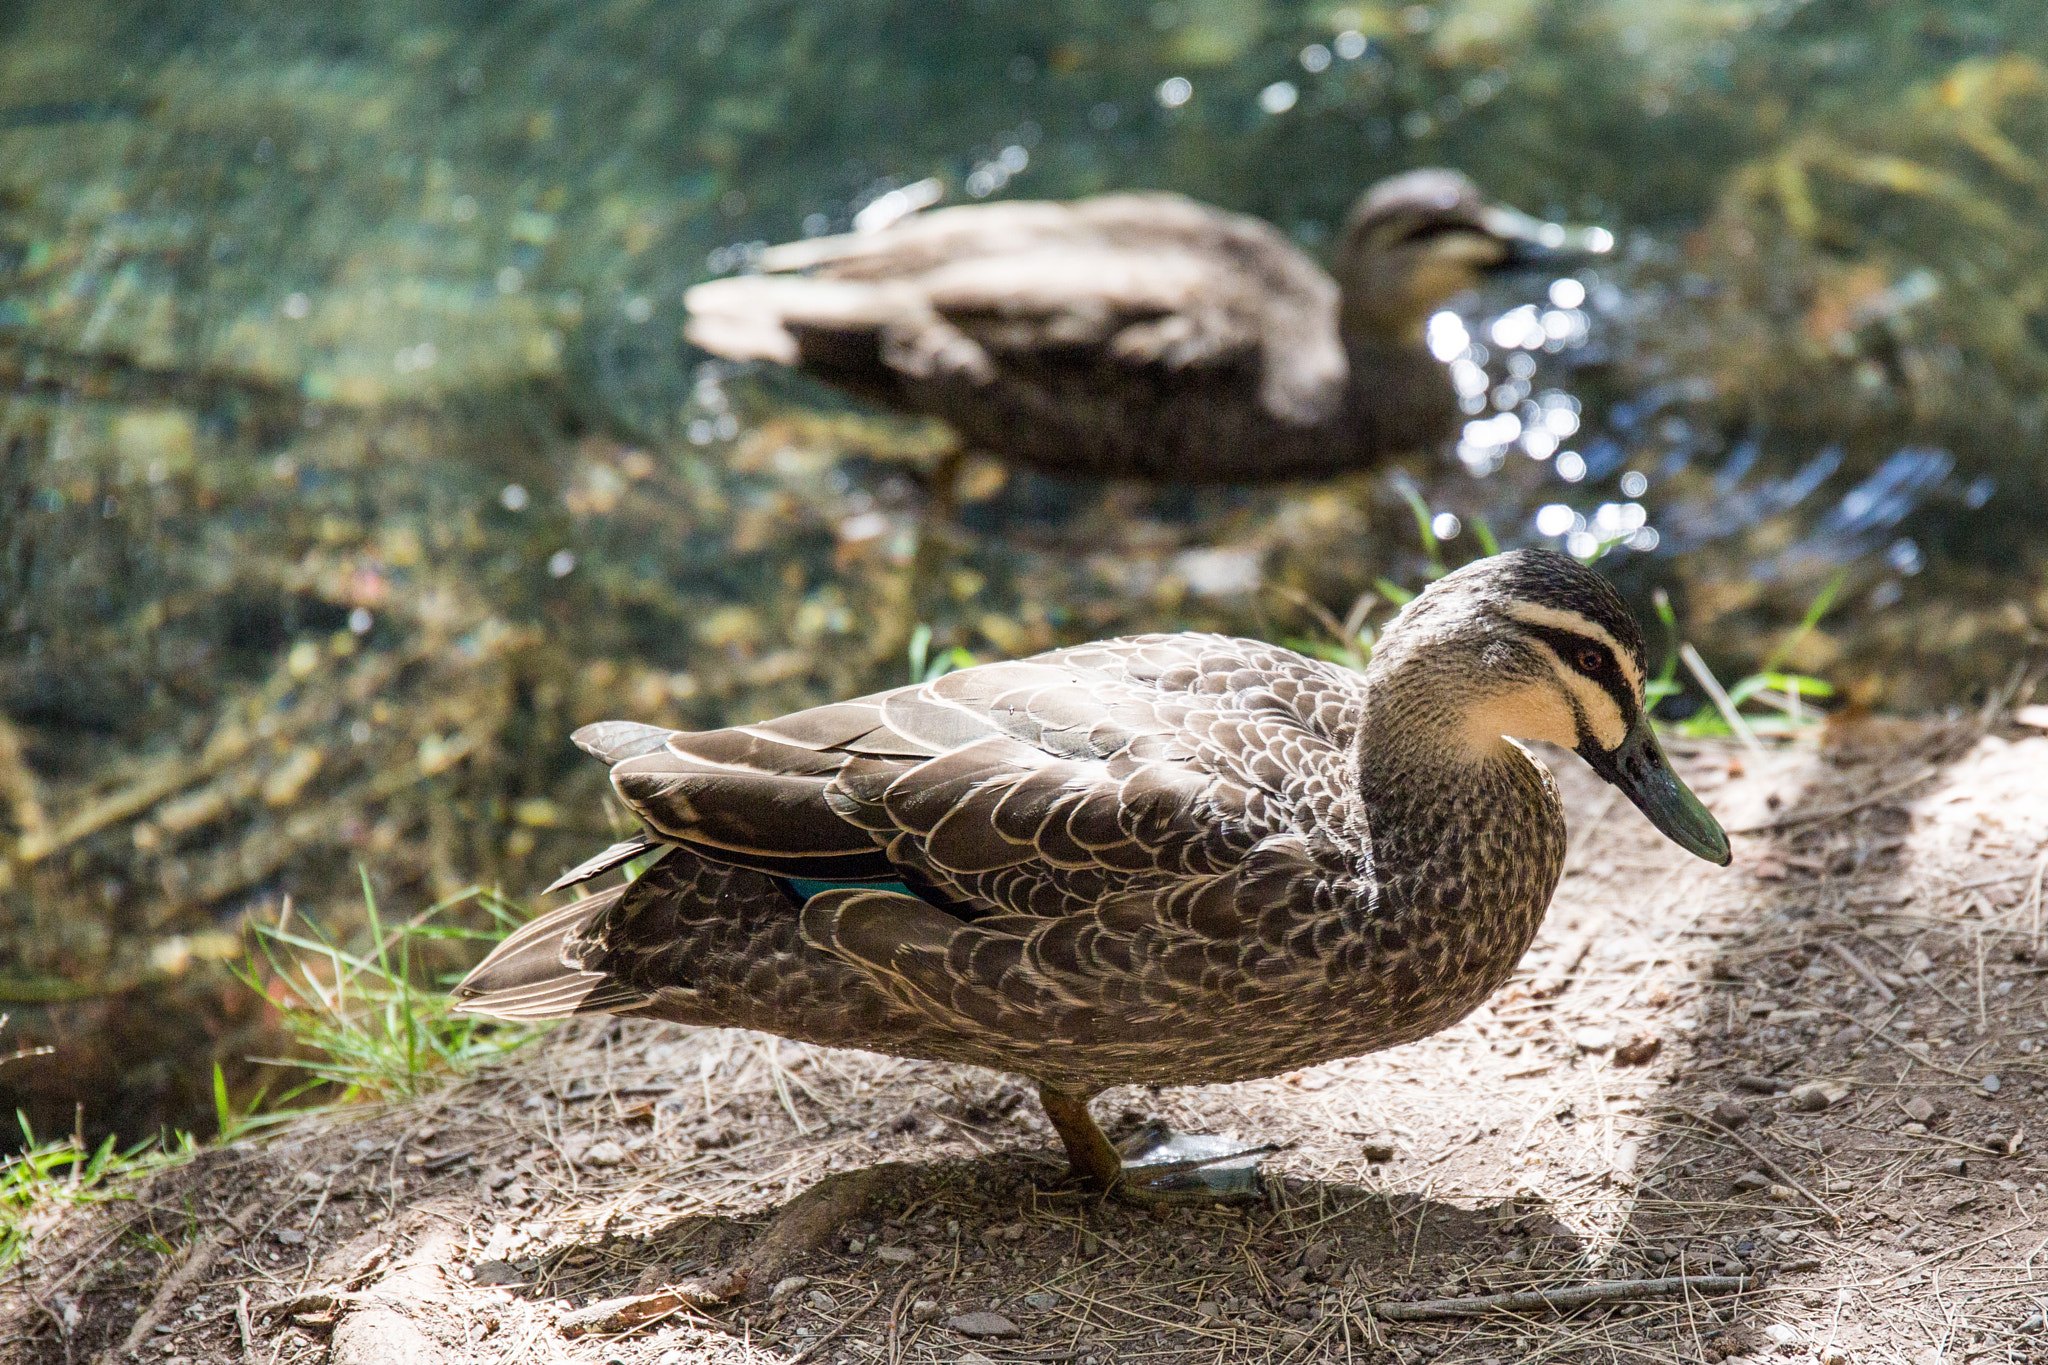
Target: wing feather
<point x="1087" y="832"/>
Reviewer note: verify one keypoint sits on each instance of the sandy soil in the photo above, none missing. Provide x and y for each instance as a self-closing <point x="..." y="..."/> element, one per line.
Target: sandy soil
<point x="1813" y="1082"/>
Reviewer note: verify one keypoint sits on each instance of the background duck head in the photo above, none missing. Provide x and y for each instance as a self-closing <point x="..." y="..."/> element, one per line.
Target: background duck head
<point x="1416" y="240"/>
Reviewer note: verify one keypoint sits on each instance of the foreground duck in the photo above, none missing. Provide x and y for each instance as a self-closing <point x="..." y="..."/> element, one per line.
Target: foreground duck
<point x="1169" y="859"/>
<point x="1140" y="335"/>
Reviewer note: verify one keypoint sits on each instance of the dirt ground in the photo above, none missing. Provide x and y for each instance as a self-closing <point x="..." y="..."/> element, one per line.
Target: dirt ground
<point x="1814" y="1082"/>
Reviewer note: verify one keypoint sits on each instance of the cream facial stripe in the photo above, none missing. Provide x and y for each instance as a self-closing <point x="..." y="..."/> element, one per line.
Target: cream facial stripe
<point x="1598" y="711"/>
<point x="1558" y="618"/>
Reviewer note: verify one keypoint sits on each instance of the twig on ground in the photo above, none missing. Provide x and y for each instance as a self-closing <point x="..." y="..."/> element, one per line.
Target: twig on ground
<point x="1862" y="969"/>
<point x="199" y="1258"/>
<point x="246" y="1328"/>
<point x="800" y="1228"/>
<point x="634" y="1311"/>
<point x="896" y="1320"/>
<point x="1807" y="817"/>
<point x="807" y="1352"/>
<point x="1722" y="1130"/>
<point x="1564" y="962"/>
<point x="1574" y="1296"/>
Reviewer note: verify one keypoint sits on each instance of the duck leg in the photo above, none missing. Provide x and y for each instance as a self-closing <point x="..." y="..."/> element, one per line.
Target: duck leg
<point x="936" y="538"/>
<point x="1165" y="1168"/>
<point x="922" y="594"/>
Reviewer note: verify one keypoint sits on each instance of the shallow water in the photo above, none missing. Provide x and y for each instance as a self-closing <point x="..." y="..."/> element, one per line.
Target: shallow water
<point x="349" y="455"/>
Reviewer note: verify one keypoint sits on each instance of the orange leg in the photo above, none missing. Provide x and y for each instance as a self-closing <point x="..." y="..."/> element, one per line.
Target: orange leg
<point x="1095" y="1160"/>
<point x="1088" y="1151"/>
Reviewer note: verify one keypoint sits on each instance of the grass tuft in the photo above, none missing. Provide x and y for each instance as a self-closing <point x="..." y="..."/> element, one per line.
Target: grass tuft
<point x="46" y="1178"/>
<point x="378" y="1024"/>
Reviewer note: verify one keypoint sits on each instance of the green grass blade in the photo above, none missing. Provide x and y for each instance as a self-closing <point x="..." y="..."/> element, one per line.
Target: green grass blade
<point x="1814" y="612"/>
<point x="1432" y="548"/>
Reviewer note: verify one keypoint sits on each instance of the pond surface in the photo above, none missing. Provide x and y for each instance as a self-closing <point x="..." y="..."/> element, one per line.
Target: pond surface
<point x="350" y="456"/>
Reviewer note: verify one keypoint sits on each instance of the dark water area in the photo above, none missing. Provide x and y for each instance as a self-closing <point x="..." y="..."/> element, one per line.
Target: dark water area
<point x="350" y="455"/>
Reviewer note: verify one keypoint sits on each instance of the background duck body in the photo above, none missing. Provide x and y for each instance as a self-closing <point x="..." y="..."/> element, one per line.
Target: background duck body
<point x="1167" y="859"/>
<point x="1134" y="335"/>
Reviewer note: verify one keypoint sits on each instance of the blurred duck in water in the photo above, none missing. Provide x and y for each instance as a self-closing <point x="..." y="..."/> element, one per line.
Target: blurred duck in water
<point x="1141" y="336"/>
<point x="1170" y="859"/>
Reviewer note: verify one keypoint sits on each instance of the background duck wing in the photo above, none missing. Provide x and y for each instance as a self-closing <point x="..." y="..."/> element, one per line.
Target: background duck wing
<point x="1142" y="282"/>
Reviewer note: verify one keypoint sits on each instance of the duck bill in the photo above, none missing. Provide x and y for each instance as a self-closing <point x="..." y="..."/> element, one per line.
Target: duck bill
<point x="1530" y="243"/>
<point x="1644" y="775"/>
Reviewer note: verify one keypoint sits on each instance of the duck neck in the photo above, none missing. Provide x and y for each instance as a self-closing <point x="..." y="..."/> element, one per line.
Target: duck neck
<point x="1399" y="392"/>
<point x="1466" y="833"/>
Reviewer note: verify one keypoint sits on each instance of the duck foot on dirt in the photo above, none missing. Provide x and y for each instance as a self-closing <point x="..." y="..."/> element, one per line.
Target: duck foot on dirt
<point x="1157" y="1165"/>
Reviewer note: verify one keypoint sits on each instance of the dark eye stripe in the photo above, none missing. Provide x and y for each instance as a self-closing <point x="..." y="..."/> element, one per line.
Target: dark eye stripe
<point x="1424" y="232"/>
<point x="1569" y="645"/>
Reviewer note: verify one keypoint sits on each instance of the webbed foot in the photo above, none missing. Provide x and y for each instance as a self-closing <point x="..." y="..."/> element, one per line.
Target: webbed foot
<point x="1157" y="1165"/>
<point x="1188" y="1167"/>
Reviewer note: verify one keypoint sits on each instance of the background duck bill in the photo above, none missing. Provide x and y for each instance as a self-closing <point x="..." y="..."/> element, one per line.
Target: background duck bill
<point x="1532" y="244"/>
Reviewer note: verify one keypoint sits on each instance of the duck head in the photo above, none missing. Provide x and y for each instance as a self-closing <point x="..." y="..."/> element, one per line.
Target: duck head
<point x="1532" y="644"/>
<point x="1415" y="240"/>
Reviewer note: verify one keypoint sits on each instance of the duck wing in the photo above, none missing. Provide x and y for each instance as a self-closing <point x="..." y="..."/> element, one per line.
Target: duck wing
<point x="1158" y="755"/>
<point x="1081" y="847"/>
<point x="1139" y="283"/>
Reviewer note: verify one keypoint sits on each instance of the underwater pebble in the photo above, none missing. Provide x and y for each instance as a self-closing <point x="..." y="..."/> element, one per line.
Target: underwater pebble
<point x="924" y="1310"/>
<point x="1991" y="1084"/>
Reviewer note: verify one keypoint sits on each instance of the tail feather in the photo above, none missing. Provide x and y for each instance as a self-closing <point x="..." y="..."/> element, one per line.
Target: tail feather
<point x="613" y="740"/>
<point x="533" y="975"/>
<point x="624" y="851"/>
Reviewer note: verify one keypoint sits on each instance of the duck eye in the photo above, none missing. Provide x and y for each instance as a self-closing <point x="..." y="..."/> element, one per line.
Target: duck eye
<point x="1590" y="661"/>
